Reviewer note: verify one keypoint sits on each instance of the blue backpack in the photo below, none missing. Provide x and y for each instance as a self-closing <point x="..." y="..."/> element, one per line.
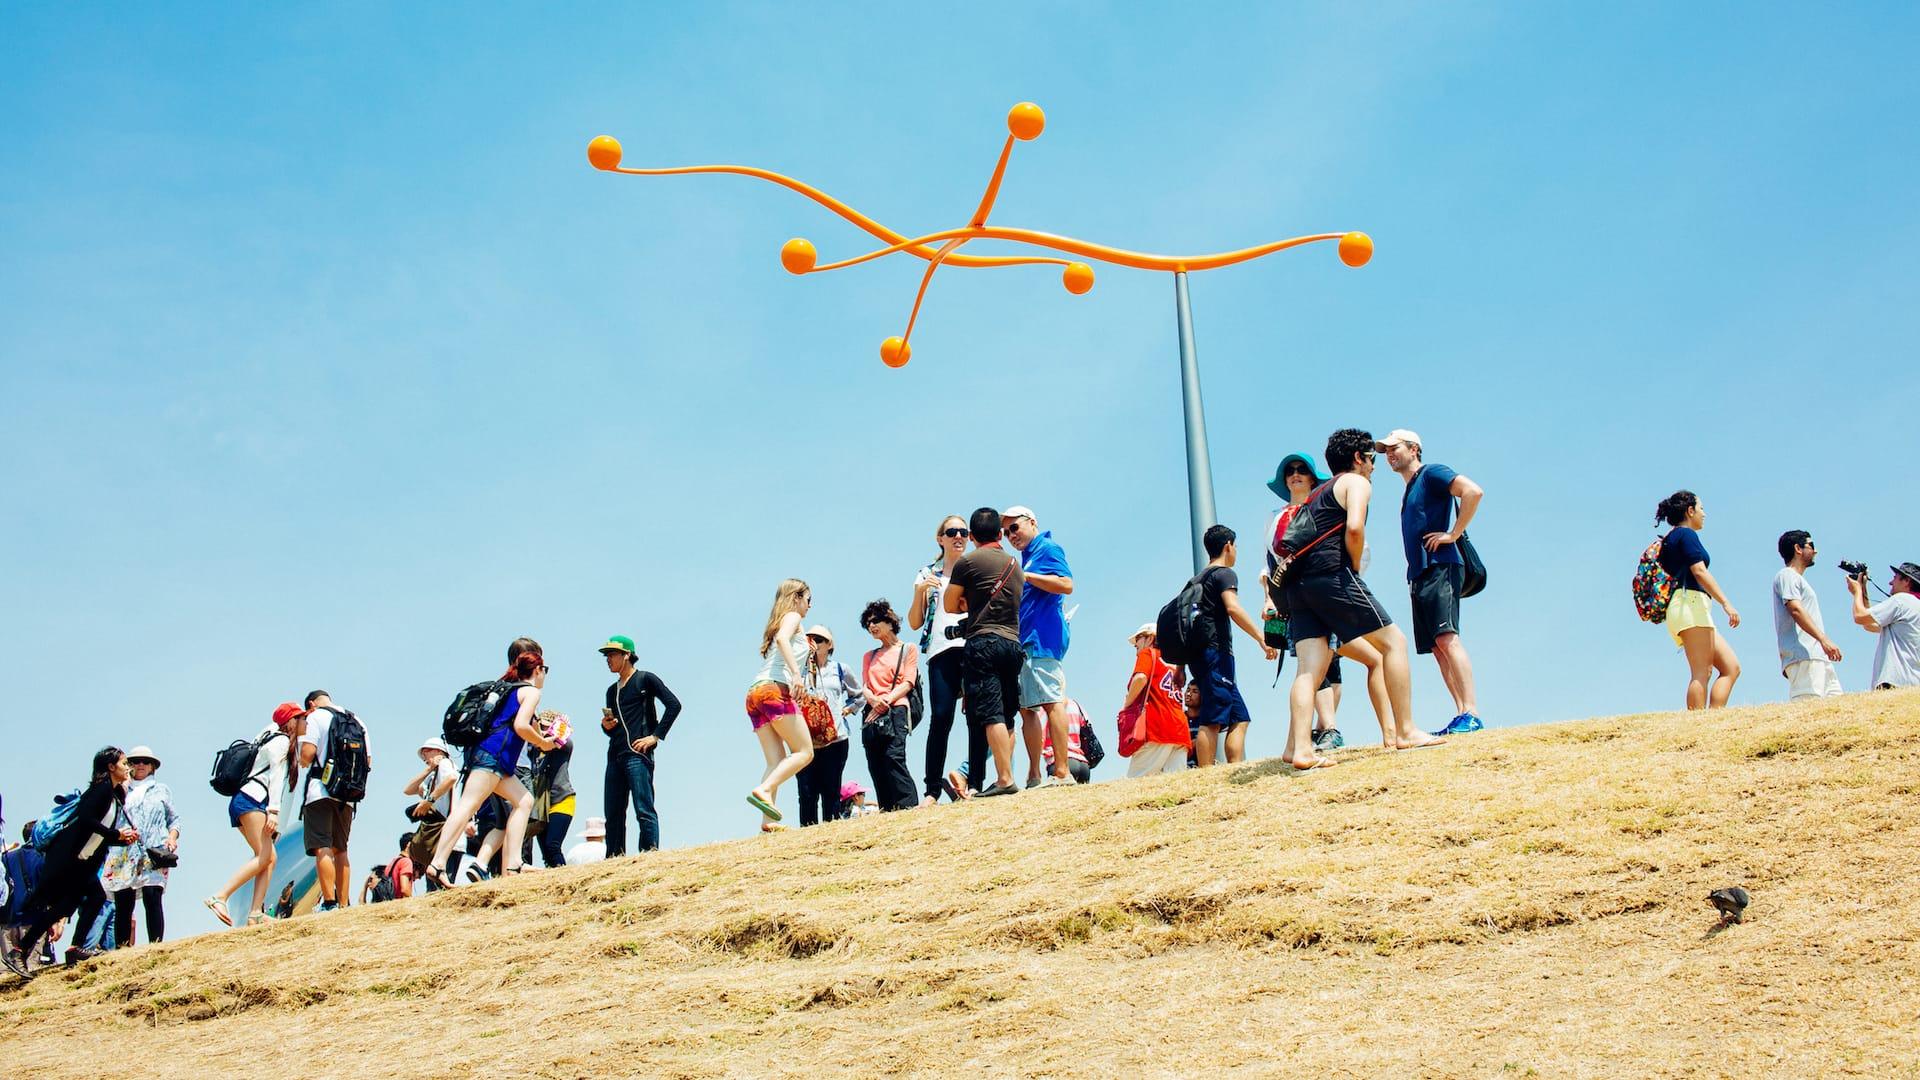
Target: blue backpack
<point x="49" y="824"/>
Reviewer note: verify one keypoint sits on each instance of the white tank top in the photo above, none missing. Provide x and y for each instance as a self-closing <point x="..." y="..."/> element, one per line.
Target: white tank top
<point x="775" y="667"/>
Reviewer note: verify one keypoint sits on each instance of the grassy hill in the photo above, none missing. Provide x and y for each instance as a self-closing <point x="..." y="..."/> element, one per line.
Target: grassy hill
<point x="1520" y="902"/>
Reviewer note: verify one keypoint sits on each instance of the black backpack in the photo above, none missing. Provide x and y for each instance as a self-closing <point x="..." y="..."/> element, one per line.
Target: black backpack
<point x="345" y="773"/>
<point x="1178" y="633"/>
<point x="470" y="718"/>
<point x="233" y="767"/>
<point x="382" y="885"/>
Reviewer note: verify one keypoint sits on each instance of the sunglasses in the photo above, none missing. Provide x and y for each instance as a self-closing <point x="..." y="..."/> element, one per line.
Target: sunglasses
<point x="1371" y="458"/>
<point x="953" y="534"/>
<point x="1297" y="470"/>
<point x="816" y="639"/>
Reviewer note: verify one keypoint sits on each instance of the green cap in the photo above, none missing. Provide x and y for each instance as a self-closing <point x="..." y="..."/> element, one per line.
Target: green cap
<point x="619" y="643"/>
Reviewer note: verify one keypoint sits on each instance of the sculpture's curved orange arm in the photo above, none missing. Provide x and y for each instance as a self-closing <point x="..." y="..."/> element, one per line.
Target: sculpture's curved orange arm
<point x="858" y="219"/>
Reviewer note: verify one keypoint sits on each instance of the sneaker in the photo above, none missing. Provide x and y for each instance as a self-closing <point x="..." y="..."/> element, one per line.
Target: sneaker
<point x="325" y="905"/>
<point x="997" y="789"/>
<point x="1034" y="782"/>
<point x="1056" y="781"/>
<point x="15" y="961"/>
<point x="1328" y="740"/>
<point x="80" y="955"/>
<point x="1464" y="724"/>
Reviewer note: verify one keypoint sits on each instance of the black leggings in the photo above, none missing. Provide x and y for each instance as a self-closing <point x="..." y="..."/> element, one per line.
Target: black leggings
<point x="943" y="683"/>
<point x="820" y="783"/>
<point x="63" y="887"/>
<point x="123" y="914"/>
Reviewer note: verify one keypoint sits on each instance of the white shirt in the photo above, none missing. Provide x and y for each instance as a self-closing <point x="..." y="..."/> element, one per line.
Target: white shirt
<point x="938" y="641"/>
<point x="269" y="777"/>
<point x="441" y="771"/>
<point x="318" y="721"/>
<point x="1896" y="659"/>
<point x="587" y="851"/>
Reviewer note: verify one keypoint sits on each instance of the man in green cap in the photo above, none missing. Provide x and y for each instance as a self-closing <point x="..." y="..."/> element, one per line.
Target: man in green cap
<point x="633" y="735"/>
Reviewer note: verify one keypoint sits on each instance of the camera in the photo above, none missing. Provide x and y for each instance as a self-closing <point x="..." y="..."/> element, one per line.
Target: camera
<point x="958" y="629"/>
<point x="1854" y="569"/>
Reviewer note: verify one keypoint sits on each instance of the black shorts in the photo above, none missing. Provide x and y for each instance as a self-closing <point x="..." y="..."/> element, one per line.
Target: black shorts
<point x="1436" y="604"/>
<point x="1334" y="605"/>
<point x="990" y="679"/>
<point x="329" y="824"/>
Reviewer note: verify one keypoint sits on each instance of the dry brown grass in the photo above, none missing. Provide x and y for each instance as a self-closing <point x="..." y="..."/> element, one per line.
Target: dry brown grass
<point x="1522" y="902"/>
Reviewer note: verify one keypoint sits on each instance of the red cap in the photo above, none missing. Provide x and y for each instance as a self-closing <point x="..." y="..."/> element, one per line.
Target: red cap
<point x="286" y="713"/>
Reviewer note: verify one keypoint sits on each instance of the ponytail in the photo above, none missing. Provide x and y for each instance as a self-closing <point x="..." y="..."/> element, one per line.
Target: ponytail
<point x="1672" y="510"/>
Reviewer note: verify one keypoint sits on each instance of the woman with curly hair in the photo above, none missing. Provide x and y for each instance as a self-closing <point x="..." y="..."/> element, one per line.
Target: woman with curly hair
<point x="890" y="672"/>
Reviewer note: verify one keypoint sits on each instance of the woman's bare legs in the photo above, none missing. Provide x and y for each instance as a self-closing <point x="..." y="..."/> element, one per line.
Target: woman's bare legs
<point x="259" y="868"/>
<point x="520" y="800"/>
<point x="1697" y="643"/>
<point x="480" y="784"/>
<point x="787" y="748"/>
<point x="1728" y="665"/>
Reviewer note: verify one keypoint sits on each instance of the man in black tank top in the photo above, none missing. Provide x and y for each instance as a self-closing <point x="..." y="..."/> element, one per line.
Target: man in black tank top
<point x="1326" y="597"/>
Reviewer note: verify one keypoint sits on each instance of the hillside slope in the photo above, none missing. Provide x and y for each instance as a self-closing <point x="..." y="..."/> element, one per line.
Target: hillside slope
<point x="1526" y="901"/>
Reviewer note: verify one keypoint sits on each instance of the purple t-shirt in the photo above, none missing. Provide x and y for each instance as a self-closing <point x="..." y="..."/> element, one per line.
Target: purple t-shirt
<point x="503" y="742"/>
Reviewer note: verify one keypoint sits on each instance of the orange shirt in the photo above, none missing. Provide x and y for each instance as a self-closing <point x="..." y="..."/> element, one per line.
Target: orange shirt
<point x="1166" y="719"/>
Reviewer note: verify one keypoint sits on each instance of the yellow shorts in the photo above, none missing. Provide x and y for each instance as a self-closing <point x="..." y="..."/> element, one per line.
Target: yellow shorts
<point x="1688" y="608"/>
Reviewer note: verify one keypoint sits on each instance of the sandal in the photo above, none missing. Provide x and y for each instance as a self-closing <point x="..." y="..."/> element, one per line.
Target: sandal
<point x="1316" y="763"/>
<point x="219" y="909"/>
<point x="771" y="811"/>
<point x="521" y="869"/>
<point x="259" y="918"/>
<point x="437" y="875"/>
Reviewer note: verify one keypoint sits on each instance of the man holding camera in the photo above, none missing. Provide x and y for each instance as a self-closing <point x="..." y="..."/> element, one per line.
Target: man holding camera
<point x="1896" y="660"/>
<point x="1807" y="654"/>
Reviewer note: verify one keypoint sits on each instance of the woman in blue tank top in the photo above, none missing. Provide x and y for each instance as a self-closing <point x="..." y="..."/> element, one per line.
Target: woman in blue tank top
<point x="491" y="761"/>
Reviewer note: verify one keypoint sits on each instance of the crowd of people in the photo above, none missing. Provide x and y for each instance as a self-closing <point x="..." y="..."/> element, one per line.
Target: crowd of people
<point x="984" y="642"/>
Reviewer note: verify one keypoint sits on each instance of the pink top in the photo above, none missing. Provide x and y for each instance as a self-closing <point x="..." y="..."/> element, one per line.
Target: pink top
<point x="878" y="667"/>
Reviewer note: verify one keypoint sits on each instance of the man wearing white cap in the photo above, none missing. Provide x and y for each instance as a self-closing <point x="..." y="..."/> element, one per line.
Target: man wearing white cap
<point x="1436" y="572"/>
<point x="1043" y="638"/>
<point x="1153" y="712"/>
<point x="594" y="847"/>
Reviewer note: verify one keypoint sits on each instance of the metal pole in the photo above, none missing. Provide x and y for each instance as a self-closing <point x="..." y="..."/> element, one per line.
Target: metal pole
<point x="1199" y="470"/>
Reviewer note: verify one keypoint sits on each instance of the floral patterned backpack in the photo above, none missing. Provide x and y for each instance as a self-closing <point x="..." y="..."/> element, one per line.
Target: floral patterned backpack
<point x="1652" y="585"/>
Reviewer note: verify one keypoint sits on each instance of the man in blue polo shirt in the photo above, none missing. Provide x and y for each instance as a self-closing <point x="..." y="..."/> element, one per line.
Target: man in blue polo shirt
<point x="1435" y="571"/>
<point x="1043" y="638"/>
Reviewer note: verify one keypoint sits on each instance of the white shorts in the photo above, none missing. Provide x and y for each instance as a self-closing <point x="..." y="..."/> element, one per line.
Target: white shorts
<point x="1157" y="758"/>
<point x="1807" y="679"/>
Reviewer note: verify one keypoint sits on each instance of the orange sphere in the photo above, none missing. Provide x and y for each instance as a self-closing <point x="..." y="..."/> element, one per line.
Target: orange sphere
<point x="1356" y="248"/>
<point x="1078" y="278"/>
<point x="604" y="152"/>
<point x="895" y="352"/>
<point x="797" y="255"/>
<point x="1026" y="121"/>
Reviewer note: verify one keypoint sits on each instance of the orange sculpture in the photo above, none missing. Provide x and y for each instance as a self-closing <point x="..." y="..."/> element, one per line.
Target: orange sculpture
<point x="1025" y="122"/>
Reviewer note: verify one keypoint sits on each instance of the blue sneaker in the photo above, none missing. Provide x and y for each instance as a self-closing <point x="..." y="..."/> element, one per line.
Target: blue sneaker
<point x="1464" y="724"/>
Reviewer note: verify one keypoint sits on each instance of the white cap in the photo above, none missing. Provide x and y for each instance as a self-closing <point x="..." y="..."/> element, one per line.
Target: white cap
<point x="1017" y="511"/>
<point x="1146" y="628"/>
<point x="596" y="828"/>
<point x="1396" y="437"/>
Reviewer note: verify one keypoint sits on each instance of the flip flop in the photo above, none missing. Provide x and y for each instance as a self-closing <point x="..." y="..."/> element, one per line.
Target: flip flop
<point x="1318" y="763"/>
<point x="1424" y="745"/>
<point x="771" y="811"/>
<point x="219" y="909"/>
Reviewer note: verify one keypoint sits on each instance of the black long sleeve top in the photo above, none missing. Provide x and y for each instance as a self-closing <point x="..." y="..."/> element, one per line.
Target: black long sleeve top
<point x="634" y="711"/>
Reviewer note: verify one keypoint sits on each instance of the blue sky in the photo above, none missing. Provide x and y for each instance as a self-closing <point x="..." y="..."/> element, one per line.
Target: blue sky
<point x="330" y="362"/>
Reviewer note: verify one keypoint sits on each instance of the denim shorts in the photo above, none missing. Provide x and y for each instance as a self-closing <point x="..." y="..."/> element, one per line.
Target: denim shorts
<point x="478" y="758"/>
<point x="241" y="805"/>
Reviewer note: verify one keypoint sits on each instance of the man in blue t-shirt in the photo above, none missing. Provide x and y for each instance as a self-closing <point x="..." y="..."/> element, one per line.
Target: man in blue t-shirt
<point x="1043" y="638"/>
<point x="1435" y="571"/>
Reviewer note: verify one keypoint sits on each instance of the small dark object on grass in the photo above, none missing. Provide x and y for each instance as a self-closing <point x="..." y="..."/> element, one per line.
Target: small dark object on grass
<point x="1731" y="902"/>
